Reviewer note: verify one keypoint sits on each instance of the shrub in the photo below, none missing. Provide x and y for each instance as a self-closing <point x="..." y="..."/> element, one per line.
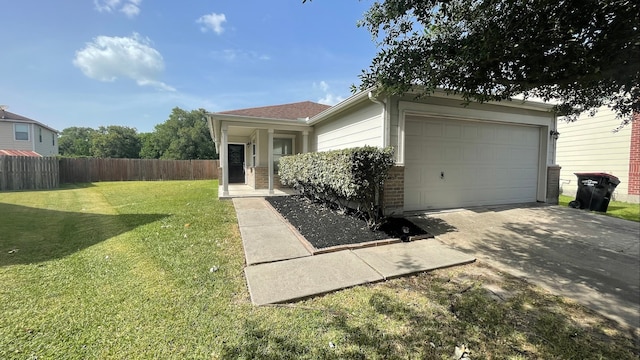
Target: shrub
<point x="344" y="177"/>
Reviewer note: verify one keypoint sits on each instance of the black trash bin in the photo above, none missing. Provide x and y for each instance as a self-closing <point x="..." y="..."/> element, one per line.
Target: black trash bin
<point x="594" y="191"/>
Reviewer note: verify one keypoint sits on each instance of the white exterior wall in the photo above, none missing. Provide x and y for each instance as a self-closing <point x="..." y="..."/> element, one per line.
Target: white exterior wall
<point x="49" y="144"/>
<point x="8" y="141"/>
<point x="590" y="145"/>
<point x="359" y="127"/>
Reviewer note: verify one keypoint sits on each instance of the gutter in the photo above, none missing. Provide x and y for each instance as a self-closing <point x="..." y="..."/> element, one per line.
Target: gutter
<point x="353" y="99"/>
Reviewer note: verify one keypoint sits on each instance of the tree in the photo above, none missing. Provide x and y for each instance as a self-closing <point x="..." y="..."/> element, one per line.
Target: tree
<point x="149" y="144"/>
<point x="76" y="141"/>
<point x="582" y="53"/>
<point x="116" y="142"/>
<point x="184" y="136"/>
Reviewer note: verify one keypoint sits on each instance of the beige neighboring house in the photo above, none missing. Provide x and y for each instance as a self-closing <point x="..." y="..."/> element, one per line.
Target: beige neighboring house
<point x="447" y="155"/>
<point x="20" y="135"/>
<point x="592" y="145"/>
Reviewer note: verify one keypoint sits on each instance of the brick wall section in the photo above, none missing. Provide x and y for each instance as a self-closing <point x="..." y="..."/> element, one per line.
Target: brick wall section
<point x="277" y="184"/>
<point x="553" y="184"/>
<point x="393" y="196"/>
<point x="261" y="177"/>
<point x="634" y="157"/>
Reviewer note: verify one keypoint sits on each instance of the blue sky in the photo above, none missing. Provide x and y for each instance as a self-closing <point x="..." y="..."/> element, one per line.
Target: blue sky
<point x="129" y="62"/>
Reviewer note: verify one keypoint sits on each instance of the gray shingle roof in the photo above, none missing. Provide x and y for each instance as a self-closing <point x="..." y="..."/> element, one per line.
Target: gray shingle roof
<point x="9" y="116"/>
<point x="293" y="111"/>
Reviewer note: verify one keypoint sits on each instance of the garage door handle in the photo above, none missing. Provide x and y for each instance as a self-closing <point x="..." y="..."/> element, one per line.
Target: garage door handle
<point x="441" y="174"/>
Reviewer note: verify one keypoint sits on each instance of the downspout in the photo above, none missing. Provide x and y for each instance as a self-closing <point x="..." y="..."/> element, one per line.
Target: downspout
<point x="385" y="122"/>
<point x="554" y="139"/>
<point x="385" y="142"/>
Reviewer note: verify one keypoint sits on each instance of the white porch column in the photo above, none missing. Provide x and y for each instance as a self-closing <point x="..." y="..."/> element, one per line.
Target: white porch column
<point x="270" y="152"/>
<point x="225" y="163"/>
<point x="305" y="142"/>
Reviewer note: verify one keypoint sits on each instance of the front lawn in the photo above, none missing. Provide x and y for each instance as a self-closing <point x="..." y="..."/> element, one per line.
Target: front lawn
<point x="617" y="209"/>
<point x="141" y="270"/>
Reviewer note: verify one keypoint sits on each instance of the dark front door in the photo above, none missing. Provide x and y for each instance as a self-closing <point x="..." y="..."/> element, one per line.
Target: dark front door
<point x="236" y="163"/>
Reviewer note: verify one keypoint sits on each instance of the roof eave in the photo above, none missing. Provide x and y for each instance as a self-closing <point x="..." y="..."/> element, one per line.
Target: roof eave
<point x="341" y="106"/>
<point x="29" y="121"/>
<point x="257" y="119"/>
<point x="513" y="102"/>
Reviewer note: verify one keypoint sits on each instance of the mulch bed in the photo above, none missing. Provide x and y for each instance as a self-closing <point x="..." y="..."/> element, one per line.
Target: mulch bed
<point x="325" y="227"/>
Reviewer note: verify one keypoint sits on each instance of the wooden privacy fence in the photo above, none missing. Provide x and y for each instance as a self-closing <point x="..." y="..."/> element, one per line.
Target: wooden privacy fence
<point x="77" y="170"/>
<point x="26" y="173"/>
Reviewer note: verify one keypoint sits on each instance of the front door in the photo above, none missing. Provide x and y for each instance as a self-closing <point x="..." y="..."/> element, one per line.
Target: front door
<point x="236" y="163"/>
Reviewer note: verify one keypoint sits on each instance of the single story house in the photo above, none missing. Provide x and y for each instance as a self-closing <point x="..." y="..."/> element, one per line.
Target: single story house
<point x="591" y="145"/>
<point x="27" y="137"/>
<point x="448" y="154"/>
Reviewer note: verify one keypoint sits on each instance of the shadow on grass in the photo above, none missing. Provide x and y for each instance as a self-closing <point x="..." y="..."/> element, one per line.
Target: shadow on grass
<point x="393" y="329"/>
<point x="32" y="235"/>
<point x="83" y="185"/>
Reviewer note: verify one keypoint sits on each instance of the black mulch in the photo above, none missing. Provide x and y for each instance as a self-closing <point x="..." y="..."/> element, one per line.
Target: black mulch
<point x="325" y="227"/>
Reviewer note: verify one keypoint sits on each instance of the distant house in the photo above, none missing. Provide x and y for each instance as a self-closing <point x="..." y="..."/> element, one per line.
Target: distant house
<point x="20" y="135"/>
<point x="591" y="145"/>
<point x="447" y="155"/>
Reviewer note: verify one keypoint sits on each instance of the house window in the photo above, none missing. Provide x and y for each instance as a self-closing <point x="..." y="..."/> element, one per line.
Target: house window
<point x="253" y="153"/>
<point x="53" y="139"/>
<point x="21" y="131"/>
<point x="40" y="133"/>
<point x="281" y="147"/>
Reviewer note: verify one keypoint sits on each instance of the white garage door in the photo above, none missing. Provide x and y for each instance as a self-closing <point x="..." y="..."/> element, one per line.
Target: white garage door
<point x="450" y="163"/>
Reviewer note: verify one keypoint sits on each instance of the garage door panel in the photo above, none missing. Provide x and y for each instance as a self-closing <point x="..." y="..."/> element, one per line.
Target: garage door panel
<point x="452" y="154"/>
<point x="483" y="164"/>
<point x="470" y="153"/>
<point x="413" y="150"/>
<point x="433" y="129"/>
<point x="452" y="131"/>
<point x="470" y="133"/>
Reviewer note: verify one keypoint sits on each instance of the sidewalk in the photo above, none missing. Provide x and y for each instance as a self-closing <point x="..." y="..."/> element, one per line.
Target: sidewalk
<point x="279" y="268"/>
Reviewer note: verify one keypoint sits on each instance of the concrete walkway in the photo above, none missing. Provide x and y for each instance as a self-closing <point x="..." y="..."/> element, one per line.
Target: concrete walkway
<point x="279" y="268"/>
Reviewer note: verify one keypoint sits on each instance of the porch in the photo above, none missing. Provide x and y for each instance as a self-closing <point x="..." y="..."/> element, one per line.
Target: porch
<point x="245" y="191"/>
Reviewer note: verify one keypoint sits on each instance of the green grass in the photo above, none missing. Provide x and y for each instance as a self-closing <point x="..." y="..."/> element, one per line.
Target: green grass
<point x="122" y="271"/>
<point x="616" y="209"/>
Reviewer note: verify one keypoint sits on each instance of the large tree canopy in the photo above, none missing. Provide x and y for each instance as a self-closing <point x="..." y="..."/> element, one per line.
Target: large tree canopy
<point x="184" y="136"/>
<point x="116" y="142"/>
<point x="76" y="141"/>
<point x="582" y="53"/>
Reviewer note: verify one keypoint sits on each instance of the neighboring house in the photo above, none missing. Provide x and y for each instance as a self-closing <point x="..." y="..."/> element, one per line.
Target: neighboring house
<point x="448" y="155"/>
<point x="590" y="144"/>
<point x="18" y="133"/>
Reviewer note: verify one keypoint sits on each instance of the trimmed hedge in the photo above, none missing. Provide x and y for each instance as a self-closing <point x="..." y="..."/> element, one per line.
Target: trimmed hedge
<point x="354" y="175"/>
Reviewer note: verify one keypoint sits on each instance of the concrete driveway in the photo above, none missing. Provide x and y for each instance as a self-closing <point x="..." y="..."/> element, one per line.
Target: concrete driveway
<point x="590" y="258"/>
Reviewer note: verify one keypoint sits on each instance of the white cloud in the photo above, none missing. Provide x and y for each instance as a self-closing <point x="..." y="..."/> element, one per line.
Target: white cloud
<point x="232" y="55"/>
<point x="108" y="58"/>
<point x="328" y="98"/>
<point x="324" y="86"/>
<point x="130" y="8"/>
<point x="212" y="22"/>
<point x="106" y="5"/>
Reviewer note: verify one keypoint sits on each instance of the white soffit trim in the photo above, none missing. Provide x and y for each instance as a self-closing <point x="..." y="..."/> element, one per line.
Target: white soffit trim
<point x="345" y="104"/>
<point x="514" y="102"/>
